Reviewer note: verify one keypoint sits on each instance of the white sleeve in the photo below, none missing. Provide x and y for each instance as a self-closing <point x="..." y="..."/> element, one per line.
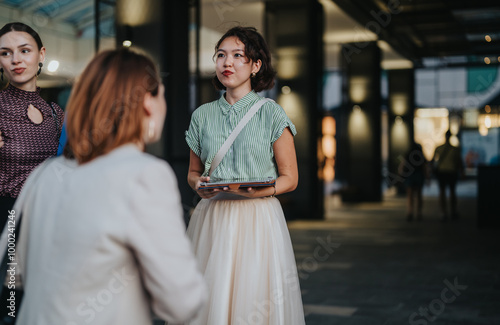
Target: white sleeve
<point x="157" y="235"/>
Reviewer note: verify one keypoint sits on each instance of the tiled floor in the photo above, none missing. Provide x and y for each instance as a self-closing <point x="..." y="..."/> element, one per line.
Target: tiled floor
<point x="366" y="265"/>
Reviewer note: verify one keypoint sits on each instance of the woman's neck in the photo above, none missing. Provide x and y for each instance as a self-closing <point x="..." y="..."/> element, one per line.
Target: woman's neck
<point x="234" y="95"/>
<point x="26" y="86"/>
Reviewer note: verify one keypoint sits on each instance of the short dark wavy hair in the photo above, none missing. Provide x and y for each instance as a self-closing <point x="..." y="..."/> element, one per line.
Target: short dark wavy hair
<point x="255" y="49"/>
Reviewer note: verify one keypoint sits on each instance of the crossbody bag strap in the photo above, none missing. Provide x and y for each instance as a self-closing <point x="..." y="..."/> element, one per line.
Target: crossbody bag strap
<point x="229" y="141"/>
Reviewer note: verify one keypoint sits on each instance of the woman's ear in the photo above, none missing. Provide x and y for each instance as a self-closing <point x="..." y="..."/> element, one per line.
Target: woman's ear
<point x="148" y="104"/>
<point x="256" y="66"/>
<point x="42" y="54"/>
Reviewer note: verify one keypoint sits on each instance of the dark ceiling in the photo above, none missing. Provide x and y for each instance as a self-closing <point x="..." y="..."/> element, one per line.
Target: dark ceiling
<point x="454" y="31"/>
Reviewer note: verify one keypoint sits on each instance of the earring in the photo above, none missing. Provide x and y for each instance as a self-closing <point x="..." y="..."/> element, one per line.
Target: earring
<point x="151" y="129"/>
<point x="40" y="68"/>
<point x="1" y="74"/>
<point x="253" y="74"/>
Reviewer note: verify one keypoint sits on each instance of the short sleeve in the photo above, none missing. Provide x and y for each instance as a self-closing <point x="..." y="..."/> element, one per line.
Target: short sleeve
<point x="193" y="134"/>
<point x="280" y="122"/>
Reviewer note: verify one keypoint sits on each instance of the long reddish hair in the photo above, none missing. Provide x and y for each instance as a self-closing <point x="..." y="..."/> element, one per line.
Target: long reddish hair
<point x="105" y="109"/>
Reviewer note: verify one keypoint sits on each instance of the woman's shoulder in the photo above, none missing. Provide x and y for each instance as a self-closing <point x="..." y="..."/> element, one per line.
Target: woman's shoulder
<point x="207" y="107"/>
<point x="3" y="97"/>
<point x="127" y="159"/>
<point x="207" y="110"/>
<point x="55" y="106"/>
<point x="134" y="156"/>
<point x="271" y="104"/>
<point x="273" y="108"/>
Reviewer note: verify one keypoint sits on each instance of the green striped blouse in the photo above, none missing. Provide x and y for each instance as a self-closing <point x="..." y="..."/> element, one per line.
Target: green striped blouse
<point x="251" y="154"/>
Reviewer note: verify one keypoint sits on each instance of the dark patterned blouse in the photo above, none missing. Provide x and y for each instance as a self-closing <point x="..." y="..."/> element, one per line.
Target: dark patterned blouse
<point x="26" y="144"/>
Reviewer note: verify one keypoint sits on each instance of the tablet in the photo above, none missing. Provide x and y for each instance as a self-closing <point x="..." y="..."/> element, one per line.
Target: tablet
<point x="234" y="184"/>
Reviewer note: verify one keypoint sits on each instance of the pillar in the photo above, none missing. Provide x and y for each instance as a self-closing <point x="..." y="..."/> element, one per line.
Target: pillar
<point x="160" y="27"/>
<point x="294" y="31"/>
<point x="359" y="154"/>
<point x="401" y="102"/>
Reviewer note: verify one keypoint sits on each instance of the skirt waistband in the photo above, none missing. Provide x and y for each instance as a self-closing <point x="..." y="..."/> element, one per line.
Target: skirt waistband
<point x="231" y="196"/>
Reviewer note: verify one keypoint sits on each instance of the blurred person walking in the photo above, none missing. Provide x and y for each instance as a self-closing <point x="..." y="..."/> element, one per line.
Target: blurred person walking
<point x="414" y="169"/>
<point x="240" y="235"/>
<point x="448" y="167"/>
<point x="102" y="237"/>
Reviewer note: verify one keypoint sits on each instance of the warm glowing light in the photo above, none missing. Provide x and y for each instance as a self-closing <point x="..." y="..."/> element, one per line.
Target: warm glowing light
<point x="430" y="126"/>
<point x="399" y="104"/>
<point x="358" y="125"/>
<point x="487" y="109"/>
<point x="487" y="60"/>
<point x="431" y="112"/>
<point x="289" y="63"/>
<point x="328" y="146"/>
<point x="329" y="170"/>
<point x="487" y="121"/>
<point x="359" y="87"/>
<point x="285" y="90"/>
<point x="328" y="125"/>
<point x="455" y="124"/>
<point x="487" y="38"/>
<point x="53" y="66"/>
<point x="483" y="130"/>
<point x="127" y="43"/>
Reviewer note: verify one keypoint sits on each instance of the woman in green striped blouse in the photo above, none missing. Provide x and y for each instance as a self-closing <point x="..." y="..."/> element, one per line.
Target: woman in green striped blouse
<point x="240" y="236"/>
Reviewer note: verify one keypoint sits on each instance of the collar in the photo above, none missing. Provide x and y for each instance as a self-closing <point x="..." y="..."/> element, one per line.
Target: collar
<point x="239" y="105"/>
<point x="23" y="94"/>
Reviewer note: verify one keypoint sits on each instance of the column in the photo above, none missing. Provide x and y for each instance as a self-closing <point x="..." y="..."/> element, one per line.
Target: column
<point x="294" y="31"/>
<point x="401" y="101"/>
<point x="160" y="27"/>
<point x="359" y="135"/>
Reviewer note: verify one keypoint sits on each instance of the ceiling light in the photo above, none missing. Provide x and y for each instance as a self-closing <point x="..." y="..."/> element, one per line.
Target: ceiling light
<point x="487" y="60"/>
<point x="487" y="38"/>
<point x="53" y="66"/>
<point x="127" y="43"/>
<point x="285" y="90"/>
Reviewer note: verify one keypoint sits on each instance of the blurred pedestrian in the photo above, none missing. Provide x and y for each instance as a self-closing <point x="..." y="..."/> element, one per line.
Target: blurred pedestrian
<point x="103" y="238"/>
<point x="448" y="167"/>
<point x="414" y="170"/>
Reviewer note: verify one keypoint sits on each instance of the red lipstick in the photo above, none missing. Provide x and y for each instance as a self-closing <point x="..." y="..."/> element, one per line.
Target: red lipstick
<point x="19" y="70"/>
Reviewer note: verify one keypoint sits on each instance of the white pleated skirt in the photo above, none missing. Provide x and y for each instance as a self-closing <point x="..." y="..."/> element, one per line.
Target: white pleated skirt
<point x="244" y="250"/>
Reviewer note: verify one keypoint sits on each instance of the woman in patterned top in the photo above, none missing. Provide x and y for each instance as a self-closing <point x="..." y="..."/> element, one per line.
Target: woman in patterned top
<point x="240" y="236"/>
<point x="29" y="126"/>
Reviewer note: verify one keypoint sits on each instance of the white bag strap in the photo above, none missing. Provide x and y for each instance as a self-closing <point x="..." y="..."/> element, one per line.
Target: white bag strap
<point x="229" y="141"/>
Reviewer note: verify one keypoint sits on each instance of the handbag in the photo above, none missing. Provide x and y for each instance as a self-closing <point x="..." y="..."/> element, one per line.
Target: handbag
<point x="229" y="141"/>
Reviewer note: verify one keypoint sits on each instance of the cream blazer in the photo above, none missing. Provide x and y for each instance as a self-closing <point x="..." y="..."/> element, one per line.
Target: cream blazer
<point x="104" y="243"/>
